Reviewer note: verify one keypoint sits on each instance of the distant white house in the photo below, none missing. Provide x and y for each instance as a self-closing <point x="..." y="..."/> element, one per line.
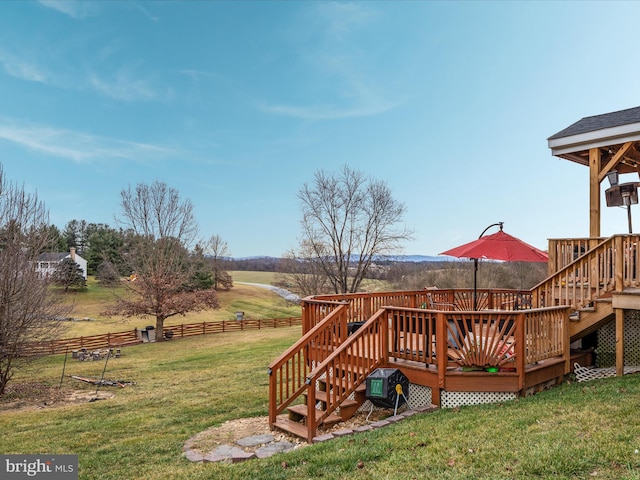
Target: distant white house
<point x="47" y="262"/>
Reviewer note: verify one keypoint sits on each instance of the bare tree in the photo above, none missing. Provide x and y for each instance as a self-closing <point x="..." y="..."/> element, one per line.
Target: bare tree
<point x="217" y="251"/>
<point x="348" y="220"/>
<point x="298" y="271"/>
<point x="28" y="311"/>
<point x="162" y="228"/>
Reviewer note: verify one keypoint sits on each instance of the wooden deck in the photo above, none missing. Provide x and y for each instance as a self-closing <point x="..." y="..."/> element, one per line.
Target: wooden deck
<point x="433" y="348"/>
<point x="515" y="342"/>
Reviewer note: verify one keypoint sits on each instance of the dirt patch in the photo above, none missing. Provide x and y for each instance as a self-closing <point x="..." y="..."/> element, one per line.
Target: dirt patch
<point x="233" y="430"/>
<point x="34" y="396"/>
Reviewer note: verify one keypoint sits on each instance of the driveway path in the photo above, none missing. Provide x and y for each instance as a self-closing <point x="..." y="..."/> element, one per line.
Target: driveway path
<point x="286" y="294"/>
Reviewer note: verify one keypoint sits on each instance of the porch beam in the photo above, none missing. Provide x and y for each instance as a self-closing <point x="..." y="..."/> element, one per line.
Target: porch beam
<point x="594" y="192"/>
<point x="614" y="161"/>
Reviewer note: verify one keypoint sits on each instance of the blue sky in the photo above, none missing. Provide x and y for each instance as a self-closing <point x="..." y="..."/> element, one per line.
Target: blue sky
<point x="237" y="104"/>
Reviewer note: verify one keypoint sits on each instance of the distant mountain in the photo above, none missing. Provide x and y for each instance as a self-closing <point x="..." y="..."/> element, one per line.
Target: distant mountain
<point x="255" y="257"/>
<point x="392" y="258"/>
<point x="421" y="258"/>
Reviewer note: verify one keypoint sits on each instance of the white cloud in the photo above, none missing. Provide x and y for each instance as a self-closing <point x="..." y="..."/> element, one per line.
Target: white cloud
<point x="80" y="147"/>
<point x="25" y="71"/>
<point x="197" y="75"/>
<point x="345" y="77"/>
<point x="146" y="12"/>
<point x="22" y="69"/>
<point x="124" y="86"/>
<point x="329" y="112"/>
<point x="73" y="8"/>
<point x="338" y="20"/>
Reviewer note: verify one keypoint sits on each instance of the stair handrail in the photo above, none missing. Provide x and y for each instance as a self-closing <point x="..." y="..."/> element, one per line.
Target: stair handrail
<point x="598" y="271"/>
<point x="357" y="367"/>
<point x="287" y="374"/>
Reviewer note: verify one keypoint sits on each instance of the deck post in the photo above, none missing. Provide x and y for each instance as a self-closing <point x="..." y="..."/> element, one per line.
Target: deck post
<point x="305" y="317"/>
<point x="441" y="348"/>
<point x="619" y="342"/>
<point x="521" y="349"/>
<point x="383" y="330"/>
<point x="566" y="340"/>
<point x="594" y="192"/>
<point x="311" y="410"/>
<point x="619" y="265"/>
<point x="272" y="399"/>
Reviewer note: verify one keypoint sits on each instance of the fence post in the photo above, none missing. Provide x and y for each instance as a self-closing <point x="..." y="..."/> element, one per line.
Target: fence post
<point x="54" y="347"/>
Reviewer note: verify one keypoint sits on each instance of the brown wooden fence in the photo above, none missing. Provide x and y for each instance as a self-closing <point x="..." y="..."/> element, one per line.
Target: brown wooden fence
<point x="133" y="337"/>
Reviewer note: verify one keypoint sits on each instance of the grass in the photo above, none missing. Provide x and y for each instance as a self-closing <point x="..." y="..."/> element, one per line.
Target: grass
<point x="182" y="387"/>
<point x="256" y="302"/>
<point x="268" y="278"/>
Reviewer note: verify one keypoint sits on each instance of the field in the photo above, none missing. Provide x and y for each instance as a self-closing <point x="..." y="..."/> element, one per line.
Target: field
<point x="184" y="387"/>
<point x="255" y="302"/>
<point x="180" y="388"/>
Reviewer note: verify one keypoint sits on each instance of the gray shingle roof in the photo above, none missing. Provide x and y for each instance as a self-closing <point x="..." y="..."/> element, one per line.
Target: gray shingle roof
<point x="598" y="122"/>
<point x="52" y="256"/>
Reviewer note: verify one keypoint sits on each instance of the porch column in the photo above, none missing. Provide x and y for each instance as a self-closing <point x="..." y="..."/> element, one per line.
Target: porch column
<point x="619" y="342"/>
<point x="594" y="192"/>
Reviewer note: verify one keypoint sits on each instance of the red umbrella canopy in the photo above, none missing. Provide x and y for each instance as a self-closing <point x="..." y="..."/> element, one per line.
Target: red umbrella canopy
<point x="499" y="246"/>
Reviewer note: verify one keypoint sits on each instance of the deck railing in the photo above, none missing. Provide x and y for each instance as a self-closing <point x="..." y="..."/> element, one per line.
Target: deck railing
<point x="564" y="251"/>
<point x="363" y="305"/>
<point x="610" y="266"/>
<point x="288" y="373"/>
<point x="546" y="334"/>
<point x="347" y="367"/>
<point x="478" y="339"/>
<point x="438" y="337"/>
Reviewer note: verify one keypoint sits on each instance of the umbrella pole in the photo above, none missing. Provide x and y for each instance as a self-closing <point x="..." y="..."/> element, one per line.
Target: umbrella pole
<point x="475" y="267"/>
<point x="475" y="284"/>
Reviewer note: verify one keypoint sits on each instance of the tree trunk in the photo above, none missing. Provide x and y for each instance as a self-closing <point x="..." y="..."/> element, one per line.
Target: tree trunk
<point x="160" y="328"/>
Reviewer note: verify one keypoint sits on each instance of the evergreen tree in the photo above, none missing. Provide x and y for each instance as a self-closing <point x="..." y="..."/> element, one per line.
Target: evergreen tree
<point x="68" y="274"/>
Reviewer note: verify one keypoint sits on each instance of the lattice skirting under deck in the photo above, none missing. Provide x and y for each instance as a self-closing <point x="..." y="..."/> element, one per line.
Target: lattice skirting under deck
<point x="458" y="399"/>
<point x="584" y="374"/>
<point x="606" y="351"/>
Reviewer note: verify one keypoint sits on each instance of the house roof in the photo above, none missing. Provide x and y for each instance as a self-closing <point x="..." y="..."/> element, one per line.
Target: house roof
<point x="599" y="122"/>
<point x="52" y="256"/>
<point x="607" y="131"/>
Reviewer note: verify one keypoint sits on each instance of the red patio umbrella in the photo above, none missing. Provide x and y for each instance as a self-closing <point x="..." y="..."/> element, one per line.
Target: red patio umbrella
<point x="498" y="246"/>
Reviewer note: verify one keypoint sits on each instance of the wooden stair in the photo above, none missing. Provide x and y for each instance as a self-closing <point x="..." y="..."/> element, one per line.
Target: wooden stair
<point x="588" y="319"/>
<point x="295" y="422"/>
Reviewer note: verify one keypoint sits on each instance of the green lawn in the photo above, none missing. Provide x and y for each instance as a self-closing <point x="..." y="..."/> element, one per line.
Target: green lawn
<point x="182" y="387"/>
